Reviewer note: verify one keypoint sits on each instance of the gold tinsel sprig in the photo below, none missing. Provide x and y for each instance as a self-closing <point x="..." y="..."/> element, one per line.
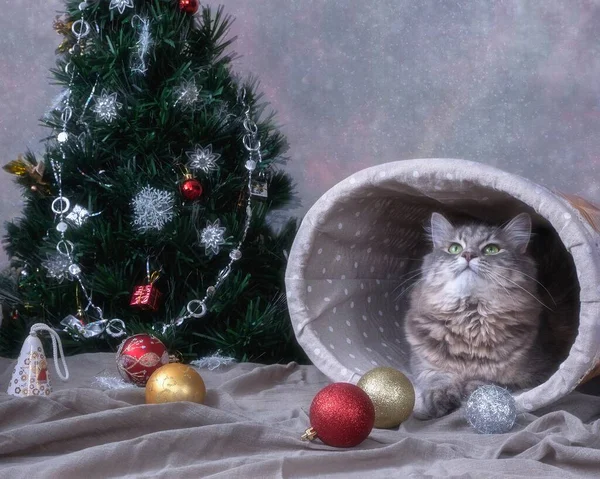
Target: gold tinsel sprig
<point x="24" y="168"/>
<point x="30" y="171"/>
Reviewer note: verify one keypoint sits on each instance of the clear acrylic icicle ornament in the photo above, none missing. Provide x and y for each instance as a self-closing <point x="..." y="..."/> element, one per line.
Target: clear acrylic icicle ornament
<point x="30" y="376"/>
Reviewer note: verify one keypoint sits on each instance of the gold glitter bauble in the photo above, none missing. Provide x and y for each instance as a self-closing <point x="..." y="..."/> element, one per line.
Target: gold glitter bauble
<point x="175" y="382"/>
<point x="392" y="395"/>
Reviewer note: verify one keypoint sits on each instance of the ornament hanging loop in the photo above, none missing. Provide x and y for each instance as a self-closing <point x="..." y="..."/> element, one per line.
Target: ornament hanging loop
<point x="56" y="348"/>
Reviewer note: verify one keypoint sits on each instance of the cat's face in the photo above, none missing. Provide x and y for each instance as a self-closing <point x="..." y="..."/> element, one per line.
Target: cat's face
<point x="477" y="258"/>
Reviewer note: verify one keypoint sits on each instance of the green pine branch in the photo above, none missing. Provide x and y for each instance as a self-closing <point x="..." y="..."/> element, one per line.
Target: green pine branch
<point x="106" y="164"/>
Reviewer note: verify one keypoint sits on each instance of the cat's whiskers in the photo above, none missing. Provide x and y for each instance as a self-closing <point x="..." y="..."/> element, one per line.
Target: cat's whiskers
<point x="407" y="259"/>
<point x="413" y="274"/>
<point x="521" y="287"/>
<point x="409" y="288"/>
<point x="420" y="298"/>
<point x="530" y="277"/>
<point x="490" y="276"/>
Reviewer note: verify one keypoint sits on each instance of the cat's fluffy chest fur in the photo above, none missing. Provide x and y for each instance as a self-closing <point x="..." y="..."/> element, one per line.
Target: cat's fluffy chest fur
<point x="474" y="339"/>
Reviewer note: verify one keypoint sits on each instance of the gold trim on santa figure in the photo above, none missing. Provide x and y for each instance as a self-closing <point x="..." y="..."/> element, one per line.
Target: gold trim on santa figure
<point x="30" y="376"/>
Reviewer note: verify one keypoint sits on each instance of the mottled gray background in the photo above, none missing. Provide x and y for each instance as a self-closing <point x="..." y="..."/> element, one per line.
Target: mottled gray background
<point x="357" y="83"/>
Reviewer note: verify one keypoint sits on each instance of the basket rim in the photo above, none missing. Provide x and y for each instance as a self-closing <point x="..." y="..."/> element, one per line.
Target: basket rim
<point x="585" y="350"/>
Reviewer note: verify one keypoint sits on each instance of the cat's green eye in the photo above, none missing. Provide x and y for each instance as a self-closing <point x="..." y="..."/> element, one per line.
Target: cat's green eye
<point x="491" y="249"/>
<point x="455" y="248"/>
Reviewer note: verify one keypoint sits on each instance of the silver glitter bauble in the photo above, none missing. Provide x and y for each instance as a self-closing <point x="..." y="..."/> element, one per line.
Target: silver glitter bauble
<point x="491" y="410"/>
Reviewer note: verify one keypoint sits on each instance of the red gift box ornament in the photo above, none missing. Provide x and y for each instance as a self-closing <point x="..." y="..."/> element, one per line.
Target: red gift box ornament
<point x="146" y="296"/>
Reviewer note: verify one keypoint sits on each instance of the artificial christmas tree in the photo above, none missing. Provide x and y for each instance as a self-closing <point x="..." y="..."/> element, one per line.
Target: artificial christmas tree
<point x="143" y="213"/>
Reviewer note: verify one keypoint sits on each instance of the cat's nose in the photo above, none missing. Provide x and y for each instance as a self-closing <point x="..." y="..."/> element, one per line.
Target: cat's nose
<point x="468" y="256"/>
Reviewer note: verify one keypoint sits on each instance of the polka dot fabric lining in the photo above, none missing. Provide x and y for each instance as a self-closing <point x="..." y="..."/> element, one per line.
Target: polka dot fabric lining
<point x="359" y="248"/>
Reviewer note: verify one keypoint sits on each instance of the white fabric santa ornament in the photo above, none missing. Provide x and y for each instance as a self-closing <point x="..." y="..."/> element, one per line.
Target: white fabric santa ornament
<point x="30" y="376"/>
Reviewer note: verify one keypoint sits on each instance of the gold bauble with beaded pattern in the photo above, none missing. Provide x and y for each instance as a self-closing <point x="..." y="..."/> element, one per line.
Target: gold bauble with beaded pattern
<point x="392" y="394"/>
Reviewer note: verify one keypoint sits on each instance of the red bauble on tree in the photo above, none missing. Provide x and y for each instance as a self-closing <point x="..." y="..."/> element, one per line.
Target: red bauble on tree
<point x="341" y="415"/>
<point x="139" y="356"/>
<point x="191" y="188"/>
<point x="189" y="6"/>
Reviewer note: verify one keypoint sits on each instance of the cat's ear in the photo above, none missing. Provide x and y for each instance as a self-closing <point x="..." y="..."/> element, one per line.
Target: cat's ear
<point x="518" y="231"/>
<point x="441" y="230"/>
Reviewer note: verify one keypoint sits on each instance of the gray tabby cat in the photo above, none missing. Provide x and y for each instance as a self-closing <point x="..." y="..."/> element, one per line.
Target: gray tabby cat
<point x="475" y="315"/>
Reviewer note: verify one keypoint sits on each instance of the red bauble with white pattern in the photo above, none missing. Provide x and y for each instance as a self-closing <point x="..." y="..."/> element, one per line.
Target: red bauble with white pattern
<point x="139" y="356"/>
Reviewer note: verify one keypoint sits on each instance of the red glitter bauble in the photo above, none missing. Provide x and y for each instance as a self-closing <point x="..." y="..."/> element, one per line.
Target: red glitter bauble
<point x="139" y="356"/>
<point x="342" y="415"/>
<point x="189" y="6"/>
<point x="191" y="189"/>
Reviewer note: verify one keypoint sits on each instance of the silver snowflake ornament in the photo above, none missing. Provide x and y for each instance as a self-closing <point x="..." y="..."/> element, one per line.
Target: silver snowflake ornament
<point x="203" y="159"/>
<point x="106" y="107"/>
<point x="120" y="5"/>
<point x="57" y="266"/>
<point x="187" y="95"/>
<point x="212" y="237"/>
<point x="223" y="112"/>
<point x="152" y="209"/>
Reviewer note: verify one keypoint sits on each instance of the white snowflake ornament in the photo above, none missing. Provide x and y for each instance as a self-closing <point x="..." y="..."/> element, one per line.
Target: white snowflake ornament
<point x="212" y="237"/>
<point x="203" y="159"/>
<point x="106" y="107"/>
<point x="120" y="5"/>
<point x="187" y="95"/>
<point x="152" y="209"/>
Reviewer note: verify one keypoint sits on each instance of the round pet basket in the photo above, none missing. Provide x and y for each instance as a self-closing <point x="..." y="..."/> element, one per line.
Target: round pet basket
<point x="357" y="243"/>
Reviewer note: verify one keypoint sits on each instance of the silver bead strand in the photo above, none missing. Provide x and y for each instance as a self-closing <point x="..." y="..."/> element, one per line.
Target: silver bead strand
<point x="197" y="308"/>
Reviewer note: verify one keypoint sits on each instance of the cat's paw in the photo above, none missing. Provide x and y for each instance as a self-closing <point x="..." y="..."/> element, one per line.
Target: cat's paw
<point x="473" y="384"/>
<point x="442" y="400"/>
